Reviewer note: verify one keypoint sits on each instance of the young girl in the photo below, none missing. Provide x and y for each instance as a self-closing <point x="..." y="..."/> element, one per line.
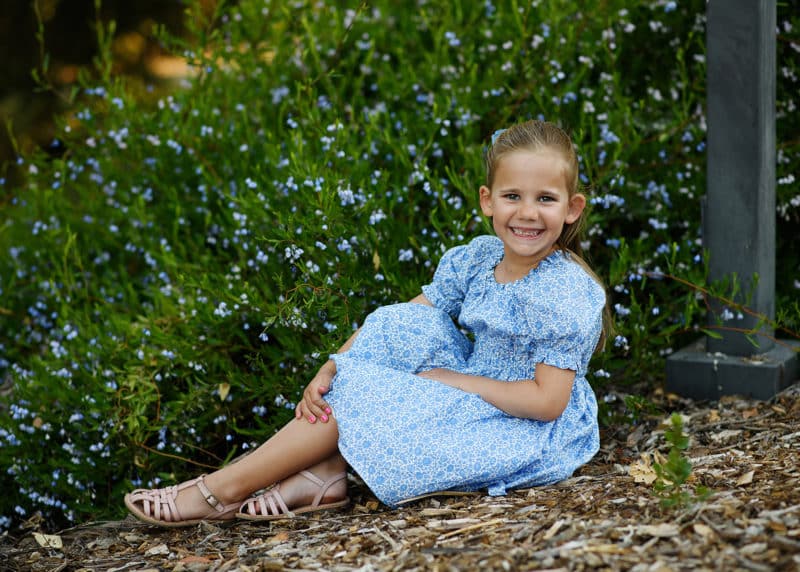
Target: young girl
<point x="414" y="406"/>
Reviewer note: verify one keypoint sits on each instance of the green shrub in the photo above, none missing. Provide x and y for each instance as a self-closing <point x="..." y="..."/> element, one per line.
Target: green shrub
<point x="172" y="279"/>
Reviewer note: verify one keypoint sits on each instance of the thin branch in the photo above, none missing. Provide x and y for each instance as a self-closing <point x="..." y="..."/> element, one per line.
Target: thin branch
<point x="178" y="457"/>
<point x="707" y="293"/>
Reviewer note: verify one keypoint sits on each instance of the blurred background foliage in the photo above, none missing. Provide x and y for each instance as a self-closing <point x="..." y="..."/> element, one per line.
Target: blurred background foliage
<point x="64" y="32"/>
<point x="214" y="196"/>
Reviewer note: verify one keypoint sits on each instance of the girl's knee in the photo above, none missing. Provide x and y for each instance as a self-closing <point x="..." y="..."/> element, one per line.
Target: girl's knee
<point x="411" y="337"/>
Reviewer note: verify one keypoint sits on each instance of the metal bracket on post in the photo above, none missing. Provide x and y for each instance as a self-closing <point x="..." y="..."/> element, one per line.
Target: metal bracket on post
<point x="739" y="217"/>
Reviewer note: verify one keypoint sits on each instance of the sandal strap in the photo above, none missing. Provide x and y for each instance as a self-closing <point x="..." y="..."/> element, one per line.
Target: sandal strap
<point x="323" y="485"/>
<point x="271" y="502"/>
<point x="158" y="506"/>
<point x="158" y="503"/>
<point x="270" y="497"/>
<point x="213" y="501"/>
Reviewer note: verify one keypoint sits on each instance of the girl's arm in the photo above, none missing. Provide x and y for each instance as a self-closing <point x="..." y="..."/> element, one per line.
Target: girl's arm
<point x="312" y="406"/>
<point x="543" y="398"/>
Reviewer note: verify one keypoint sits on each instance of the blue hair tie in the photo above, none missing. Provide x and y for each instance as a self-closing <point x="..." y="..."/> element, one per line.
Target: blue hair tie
<point x="497" y="134"/>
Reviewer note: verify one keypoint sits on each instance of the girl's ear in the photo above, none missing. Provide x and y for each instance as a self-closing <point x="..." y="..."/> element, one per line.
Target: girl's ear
<point x="486" y="200"/>
<point x="576" y="205"/>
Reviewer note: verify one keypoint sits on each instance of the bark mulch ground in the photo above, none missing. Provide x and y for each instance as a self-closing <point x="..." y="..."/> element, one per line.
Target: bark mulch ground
<point x="605" y="517"/>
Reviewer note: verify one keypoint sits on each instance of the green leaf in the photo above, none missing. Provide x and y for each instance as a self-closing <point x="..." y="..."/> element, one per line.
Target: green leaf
<point x="711" y="333"/>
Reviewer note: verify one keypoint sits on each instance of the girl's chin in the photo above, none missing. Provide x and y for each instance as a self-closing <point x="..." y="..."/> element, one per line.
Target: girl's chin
<point x="527" y="252"/>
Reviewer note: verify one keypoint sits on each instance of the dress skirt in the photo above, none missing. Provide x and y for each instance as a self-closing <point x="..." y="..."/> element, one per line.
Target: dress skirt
<point x="406" y="435"/>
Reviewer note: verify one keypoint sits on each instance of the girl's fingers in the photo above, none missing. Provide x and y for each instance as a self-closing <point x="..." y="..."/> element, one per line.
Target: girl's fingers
<point x="325" y="412"/>
<point x="306" y="411"/>
<point x="312" y="411"/>
<point x="318" y="411"/>
<point x="312" y="407"/>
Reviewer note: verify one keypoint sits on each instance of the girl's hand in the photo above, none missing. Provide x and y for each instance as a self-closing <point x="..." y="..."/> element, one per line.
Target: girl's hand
<point x="312" y="406"/>
<point x="461" y="381"/>
<point x="446" y="376"/>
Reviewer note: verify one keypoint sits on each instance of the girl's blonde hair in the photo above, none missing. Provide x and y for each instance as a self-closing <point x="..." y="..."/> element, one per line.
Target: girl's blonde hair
<point x="537" y="135"/>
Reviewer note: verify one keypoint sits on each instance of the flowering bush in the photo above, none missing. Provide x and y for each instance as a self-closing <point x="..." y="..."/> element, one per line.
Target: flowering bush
<point x="172" y="278"/>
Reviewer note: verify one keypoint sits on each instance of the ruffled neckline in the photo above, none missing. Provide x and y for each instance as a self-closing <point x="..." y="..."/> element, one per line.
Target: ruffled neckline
<point x="498" y="255"/>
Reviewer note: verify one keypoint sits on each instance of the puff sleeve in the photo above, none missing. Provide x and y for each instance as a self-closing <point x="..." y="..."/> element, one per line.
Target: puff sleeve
<point x="456" y="271"/>
<point x="564" y="333"/>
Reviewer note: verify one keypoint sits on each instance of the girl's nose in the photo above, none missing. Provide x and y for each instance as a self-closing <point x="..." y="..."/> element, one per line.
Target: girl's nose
<point x="529" y="210"/>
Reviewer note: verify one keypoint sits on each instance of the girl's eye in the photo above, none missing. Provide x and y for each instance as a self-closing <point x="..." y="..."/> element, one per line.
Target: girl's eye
<point x="546" y="199"/>
<point x="512" y="196"/>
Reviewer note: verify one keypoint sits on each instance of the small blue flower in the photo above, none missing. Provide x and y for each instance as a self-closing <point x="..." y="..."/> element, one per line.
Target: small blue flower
<point x="346" y="197"/>
<point x="222" y="310"/>
<point x="621" y="310"/>
<point x="452" y="39"/>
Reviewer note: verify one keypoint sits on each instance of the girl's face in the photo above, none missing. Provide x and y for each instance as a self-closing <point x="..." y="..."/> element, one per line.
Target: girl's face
<point x="529" y="205"/>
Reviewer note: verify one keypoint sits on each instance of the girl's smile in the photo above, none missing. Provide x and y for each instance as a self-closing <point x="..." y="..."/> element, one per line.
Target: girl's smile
<point x="529" y="205"/>
<point x="521" y="232"/>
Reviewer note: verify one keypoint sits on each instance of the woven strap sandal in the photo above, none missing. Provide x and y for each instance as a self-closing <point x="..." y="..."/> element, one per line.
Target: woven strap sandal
<point x="270" y="505"/>
<point x="157" y="506"/>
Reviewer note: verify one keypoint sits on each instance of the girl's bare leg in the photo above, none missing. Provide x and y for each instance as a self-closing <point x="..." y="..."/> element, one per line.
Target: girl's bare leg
<point x="299" y="445"/>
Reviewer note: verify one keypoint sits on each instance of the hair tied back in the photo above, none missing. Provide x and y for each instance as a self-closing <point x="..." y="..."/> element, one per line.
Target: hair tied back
<point x="497" y="134"/>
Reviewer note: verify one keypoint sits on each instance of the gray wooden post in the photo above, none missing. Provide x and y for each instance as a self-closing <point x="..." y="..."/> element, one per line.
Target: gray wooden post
<point x="739" y="209"/>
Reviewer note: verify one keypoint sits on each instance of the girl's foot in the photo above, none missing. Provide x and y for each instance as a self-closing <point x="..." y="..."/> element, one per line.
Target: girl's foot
<point x="185" y="504"/>
<point x="298" y="494"/>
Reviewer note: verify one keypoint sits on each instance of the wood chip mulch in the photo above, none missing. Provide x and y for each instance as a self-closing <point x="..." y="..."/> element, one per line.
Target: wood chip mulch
<point x="605" y="517"/>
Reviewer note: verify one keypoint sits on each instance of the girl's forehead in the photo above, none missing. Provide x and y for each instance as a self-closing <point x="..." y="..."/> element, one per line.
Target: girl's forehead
<point x="543" y="161"/>
<point x="532" y="169"/>
<point x="544" y="154"/>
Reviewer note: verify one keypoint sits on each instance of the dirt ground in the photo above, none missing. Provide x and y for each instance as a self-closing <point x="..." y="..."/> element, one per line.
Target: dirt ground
<point x="605" y="517"/>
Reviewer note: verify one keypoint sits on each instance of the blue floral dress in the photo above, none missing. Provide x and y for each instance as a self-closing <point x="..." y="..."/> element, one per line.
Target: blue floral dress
<point x="406" y="435"/>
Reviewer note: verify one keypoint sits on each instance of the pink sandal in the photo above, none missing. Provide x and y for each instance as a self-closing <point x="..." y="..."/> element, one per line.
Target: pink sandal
<point x="271" y="506"/>
<point x="158" y="505"/>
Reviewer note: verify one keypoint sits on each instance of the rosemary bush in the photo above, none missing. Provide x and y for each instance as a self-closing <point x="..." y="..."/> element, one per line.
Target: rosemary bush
<point x="171" y="279"/>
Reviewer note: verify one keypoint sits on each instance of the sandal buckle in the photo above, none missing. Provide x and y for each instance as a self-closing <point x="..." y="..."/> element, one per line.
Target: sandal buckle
<point x="208" y="495"/>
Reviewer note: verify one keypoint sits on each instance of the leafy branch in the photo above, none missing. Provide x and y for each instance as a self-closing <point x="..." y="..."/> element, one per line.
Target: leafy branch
<point x="708" y="294"/>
